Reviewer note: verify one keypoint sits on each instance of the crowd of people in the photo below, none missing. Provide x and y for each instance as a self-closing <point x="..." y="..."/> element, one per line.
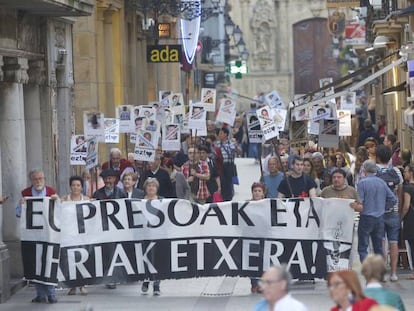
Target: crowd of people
<point x="378" y="177"/>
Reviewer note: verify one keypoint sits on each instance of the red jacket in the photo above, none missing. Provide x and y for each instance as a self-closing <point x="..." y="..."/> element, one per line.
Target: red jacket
<point x="362" y="305"/>
<point x="28" y="191"/>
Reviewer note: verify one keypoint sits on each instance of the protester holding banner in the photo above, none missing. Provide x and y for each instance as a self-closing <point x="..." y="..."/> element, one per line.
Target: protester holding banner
<point x="297" y="185"/>
<point x="197" y="172"/>
<point x="38" y="188"/>
<point x="155" y="170"/>
<point x="258" y="193"/>
<point x="76" y="194"/>
<point x="275" y="285"/>
<point x="345" y="290"/>
<point x="273" y="179"/>
<point x="151" y="187"/>
<point x="129" y="180"/>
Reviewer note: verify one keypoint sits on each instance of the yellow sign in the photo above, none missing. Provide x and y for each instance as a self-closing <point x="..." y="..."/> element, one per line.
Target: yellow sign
<point x="164" y="53"/>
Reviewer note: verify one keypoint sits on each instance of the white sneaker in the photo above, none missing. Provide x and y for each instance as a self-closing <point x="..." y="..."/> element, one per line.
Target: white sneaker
<point x="393" y="278"/>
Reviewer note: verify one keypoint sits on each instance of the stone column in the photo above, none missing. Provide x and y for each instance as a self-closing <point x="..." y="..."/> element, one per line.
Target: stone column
<point x="13" y="157"/>
<point x="31" y="93"/>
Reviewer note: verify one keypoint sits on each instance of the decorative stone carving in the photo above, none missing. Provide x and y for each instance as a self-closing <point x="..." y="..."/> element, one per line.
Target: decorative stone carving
<point x="60" y="36"/>
<point x="317" y="7"/>
<point x="37" y="72"/>
<point x="263" y="26"/>
<point x="15" y="69"/>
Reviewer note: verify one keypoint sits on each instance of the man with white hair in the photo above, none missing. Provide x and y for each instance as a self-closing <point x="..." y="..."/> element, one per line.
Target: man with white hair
<point x="120" y="165"/>
<point x="275" y="285"/>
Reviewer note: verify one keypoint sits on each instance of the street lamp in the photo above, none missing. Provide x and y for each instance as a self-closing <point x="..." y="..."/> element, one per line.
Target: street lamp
<point x="241" y="46"/>
<point x="229" y="25"/>
<point x="237" y="34"/>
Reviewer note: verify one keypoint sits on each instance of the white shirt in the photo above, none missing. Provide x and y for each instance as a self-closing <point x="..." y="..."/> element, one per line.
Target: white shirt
<point x="288" y="303"/>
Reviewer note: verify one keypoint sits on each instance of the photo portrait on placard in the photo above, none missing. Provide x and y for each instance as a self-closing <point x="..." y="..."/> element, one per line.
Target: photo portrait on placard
<point x="168" y="116"/>
<point x="344" y="118"/>
<point x="147" y="111"/>
<point x="197" y="117"/>
<point x="227" y="111"/>
<point x="274" y="101"/>
<point x="279" y="118"/>
<point x="92" y="153"/>
<point x="146" y="144"/>
<point x="328" y="133"/>
<point x="253" y="128"/>
<point x="163" y="98"/>
<point x="112" y="126"/>
<point x="138" y="122"/>
<point x="348" y="102"/>
<point x="78" y="147"/>
<point x="135" y="113"/>
<point x="171" y="137"/>
<point x="324" y="82"/>
<point x="125" y="114"/>
<point x="176" y="101"/>
<point x="267" y="124"/>
<point x="208" y="98"/>
<point x="93" y="124"/>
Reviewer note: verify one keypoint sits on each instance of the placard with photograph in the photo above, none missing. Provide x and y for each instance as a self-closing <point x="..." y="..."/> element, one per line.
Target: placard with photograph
<point x="78" y="150"/>
<point x="197" y="117"/>
<point x="126" y="120"/>
<point x="348" y="102"/>
<point x="279" y="117"/>
<point x="176" y="103"/>
<point x="163" y="98"/>
<point x="93" y="124"/>
<point x="208" y="98"/>
<point x="344" y="118"/>
<point x="253" y="128"/>
<point x="227" y="111"/>
<point x="328" y="133"/>
<point x="266" y="118"/>
<point x="145" y="145"/>
<point x="92" y="153"/>
<point x="274" y="101"/>
<point x="171" y="137"/>
<point x="324" y="82"/>
<point x="148" y="111"/>
<point x="112" y="126"/>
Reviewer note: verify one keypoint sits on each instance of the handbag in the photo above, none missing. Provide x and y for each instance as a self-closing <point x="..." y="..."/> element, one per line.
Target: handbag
<point x="217" y="197"/>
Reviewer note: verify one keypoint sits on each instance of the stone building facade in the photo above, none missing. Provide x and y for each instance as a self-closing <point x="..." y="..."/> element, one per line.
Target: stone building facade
<point x="36" y="99"/>
<point x="268" y="27"/>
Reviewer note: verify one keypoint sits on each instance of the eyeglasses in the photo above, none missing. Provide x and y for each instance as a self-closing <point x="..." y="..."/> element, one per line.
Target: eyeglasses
<point x="263" y="282"/>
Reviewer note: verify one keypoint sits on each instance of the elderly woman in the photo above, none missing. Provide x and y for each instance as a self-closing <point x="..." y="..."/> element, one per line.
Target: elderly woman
<point x="373" y="269"/>
<point x="76" y="194"/>
<point x="151" y="186"/>
<point x="345" y="290"/>
<point x="128" y="181"/>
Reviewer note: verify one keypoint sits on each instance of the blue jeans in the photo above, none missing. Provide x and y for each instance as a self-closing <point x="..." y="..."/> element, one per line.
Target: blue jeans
<point x="370" y="227"/>
<point x="43" y="290"/>
<point x="392" y="224"/>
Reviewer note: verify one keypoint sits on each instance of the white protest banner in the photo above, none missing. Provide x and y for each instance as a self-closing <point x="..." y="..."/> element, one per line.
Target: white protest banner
<point x="227" y="111"/>
<point x="78" y="150"/>
<point x="208" y="98"/>
<point x="111" y="130"/>
<point x="93" y="242"/>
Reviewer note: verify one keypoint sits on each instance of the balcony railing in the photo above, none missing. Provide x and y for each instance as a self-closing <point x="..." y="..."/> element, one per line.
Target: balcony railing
<point x="51" y="7"/>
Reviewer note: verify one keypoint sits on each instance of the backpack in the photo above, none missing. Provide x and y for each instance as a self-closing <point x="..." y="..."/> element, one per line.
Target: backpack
<point x="391" y="178"/>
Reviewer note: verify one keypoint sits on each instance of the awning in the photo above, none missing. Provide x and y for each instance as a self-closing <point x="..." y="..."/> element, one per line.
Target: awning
<point x="353" y="87"/>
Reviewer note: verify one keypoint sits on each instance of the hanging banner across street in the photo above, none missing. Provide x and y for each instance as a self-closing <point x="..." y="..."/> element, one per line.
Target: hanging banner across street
<point x="93" y="242"/>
